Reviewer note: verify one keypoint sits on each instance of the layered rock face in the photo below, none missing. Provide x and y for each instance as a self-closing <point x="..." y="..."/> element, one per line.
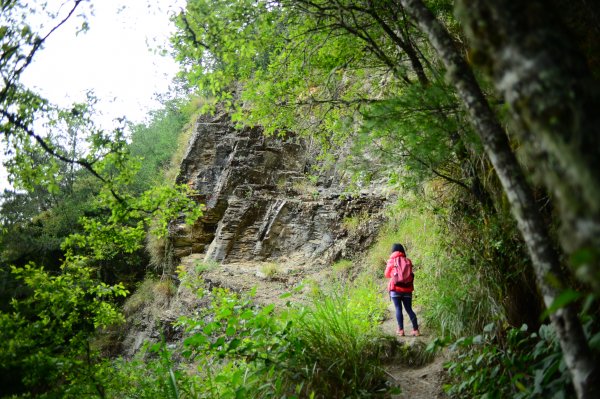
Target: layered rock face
<point x="260" y="208"/>
<point x="260" y="203"/>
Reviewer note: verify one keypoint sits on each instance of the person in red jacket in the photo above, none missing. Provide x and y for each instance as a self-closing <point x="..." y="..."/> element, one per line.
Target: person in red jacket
<point x="401" y="294"/>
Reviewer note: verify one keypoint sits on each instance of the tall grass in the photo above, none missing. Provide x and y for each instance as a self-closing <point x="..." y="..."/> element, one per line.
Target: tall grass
<point x="342" y="343"/>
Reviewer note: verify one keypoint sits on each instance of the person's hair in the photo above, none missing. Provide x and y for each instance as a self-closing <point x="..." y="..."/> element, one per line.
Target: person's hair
<point x="398" y="247"/>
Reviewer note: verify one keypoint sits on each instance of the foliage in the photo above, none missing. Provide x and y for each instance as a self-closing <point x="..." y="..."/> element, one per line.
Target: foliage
<point x="317" y="70"/>
<point x="205" y="25"/>
<point x="51" y="152"/>
<point x="45" y="338"/>
<point x="79" y="202"/>
<point x="416" y="135"/>
<point x="237" y="349"/>
<point x="514" y="364"/>
<point x="123" y="230"/>
<point x="155" y="142"/>
<point x="151" y="374"/>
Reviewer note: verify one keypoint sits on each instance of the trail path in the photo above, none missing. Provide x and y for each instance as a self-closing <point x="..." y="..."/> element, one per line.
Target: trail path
<point x="424" y="382"/>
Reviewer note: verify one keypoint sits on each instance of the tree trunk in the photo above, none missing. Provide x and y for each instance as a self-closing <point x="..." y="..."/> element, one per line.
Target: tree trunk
<point x="556" y="101"/>
<point x="545" y="261"/>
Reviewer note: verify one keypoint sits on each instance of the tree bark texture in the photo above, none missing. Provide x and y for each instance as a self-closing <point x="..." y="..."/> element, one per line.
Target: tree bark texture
<point x="578" y="357"/>
<point x="556" y="102"/>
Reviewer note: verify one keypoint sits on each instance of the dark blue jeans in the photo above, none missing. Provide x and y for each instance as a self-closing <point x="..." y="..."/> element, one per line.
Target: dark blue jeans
<point x="406" y="301"/>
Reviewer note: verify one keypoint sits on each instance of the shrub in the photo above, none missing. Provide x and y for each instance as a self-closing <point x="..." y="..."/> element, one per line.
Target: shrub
<point x="45" y="339"/>
<point x="512" y="364"/>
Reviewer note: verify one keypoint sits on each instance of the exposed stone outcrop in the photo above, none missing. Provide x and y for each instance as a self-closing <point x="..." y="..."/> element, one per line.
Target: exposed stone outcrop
<point x="261" y="211"/>
<point x="260" y="203"/>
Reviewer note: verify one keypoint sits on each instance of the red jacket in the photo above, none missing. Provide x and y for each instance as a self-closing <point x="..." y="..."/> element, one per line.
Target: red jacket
<point x="391" y="263"/>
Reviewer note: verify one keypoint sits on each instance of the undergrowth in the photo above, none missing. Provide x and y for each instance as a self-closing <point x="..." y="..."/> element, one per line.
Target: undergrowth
<point x="235" y="349"/>
<point x="508" y="364"/>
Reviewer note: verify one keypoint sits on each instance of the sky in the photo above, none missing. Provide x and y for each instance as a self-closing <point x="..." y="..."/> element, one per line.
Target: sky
<point x="113" y="58"/>
<point x="116" y="58"/>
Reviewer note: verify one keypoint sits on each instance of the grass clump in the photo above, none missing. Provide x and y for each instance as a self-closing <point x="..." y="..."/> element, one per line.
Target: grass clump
<point x="156" y="247"/>
<point x="147" y="293"/>
<point x="270" y="270"/>
<point x="341" y="344"/>
<point x="165" y="287"/>
<point x="306" y="186"/>
<point x="206" y="266"/>
<point x="143" y="295"/>
<point x="341" y="267"/>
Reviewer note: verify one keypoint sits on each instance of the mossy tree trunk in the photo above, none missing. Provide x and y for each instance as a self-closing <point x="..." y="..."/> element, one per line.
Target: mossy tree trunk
<point x="554" y="98"/>
<point x="545" y="260"/>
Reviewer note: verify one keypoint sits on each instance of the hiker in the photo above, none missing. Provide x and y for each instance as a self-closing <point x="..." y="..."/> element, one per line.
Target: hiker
<point x="400" y="287"/>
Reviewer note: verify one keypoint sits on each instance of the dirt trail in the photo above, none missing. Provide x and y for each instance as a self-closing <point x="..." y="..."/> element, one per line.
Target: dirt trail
<point x="423" y="382"/>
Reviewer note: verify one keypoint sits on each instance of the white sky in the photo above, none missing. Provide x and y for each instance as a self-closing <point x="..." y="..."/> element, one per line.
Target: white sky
<point x="113" y="58"/>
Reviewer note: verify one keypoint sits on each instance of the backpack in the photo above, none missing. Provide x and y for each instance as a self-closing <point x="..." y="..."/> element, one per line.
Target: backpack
<point x="403" y="276"/>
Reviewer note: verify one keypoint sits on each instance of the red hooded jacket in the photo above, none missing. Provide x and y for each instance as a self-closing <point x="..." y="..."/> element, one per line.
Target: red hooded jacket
<point x="389" y="269"/>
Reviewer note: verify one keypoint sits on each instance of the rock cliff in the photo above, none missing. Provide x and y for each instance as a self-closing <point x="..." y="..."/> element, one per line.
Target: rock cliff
<point x="260" y="203"/>
<point x="266" y="223"/>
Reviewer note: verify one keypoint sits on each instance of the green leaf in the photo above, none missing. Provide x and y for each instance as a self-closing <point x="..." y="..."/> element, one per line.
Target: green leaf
<point x="234" y="344"/>
<point x="195" y="340"/>
<point x="565" y="298"/>
<point x="595" y="342"/>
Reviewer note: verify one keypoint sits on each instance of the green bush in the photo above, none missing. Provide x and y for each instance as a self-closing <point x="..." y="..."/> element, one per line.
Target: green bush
<point x="510" y="364"/>
<point x="238" y="349"/>
<point x="45" y="339"/>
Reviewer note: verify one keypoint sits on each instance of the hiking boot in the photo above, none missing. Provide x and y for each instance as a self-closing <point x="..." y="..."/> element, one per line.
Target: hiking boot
<point x="400" y="332"/>
<point x="415" y="333"/>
